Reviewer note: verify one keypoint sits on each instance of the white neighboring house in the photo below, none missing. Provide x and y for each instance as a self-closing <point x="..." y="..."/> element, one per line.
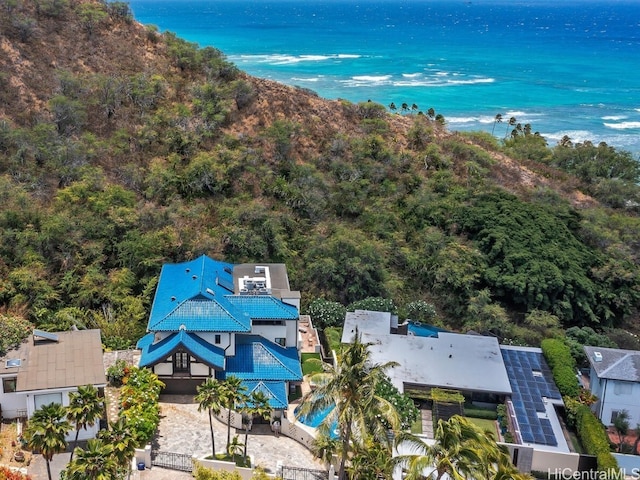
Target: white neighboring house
<point x="46" y="367"/>
<point x="614" y="378"/>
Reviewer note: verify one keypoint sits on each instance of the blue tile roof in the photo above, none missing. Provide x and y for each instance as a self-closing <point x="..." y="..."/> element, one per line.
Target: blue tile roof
<point x="263" y="307"/>
<point x="190" y="342"/>
<point x="275" y="391"/>
<point x="259" y="359"/>
<point x="193" y="295"/>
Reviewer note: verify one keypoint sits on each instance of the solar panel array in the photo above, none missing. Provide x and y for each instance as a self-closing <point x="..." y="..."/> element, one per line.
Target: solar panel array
<point x="528" y="390"/>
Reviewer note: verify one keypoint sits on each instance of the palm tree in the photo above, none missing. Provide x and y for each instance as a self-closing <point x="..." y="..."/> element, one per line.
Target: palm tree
<point x="392" y="107"/>
<point x="405" y="107"/>
<point x="512" y="121"/>
<point x="233" y="393"/>
<point x="498" y="119"/>
<point x="97" y="462"/>
<point x="324" y="447"/>
<point x="459" y="451"/>
<point x="85" y="408"/>
<point x="431" y="113"/>
<point x="123" y="439"/>
<point x="414" y="107"/>
<point x="210" y="397"/>
<point x="349" y="389"/>
<point x="257" y="404"/>
<point x="47" y="431"/>
<point x="235" y="447"/>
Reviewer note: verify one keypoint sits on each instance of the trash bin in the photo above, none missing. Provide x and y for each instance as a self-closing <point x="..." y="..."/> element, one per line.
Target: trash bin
<point x="140" y="465"/>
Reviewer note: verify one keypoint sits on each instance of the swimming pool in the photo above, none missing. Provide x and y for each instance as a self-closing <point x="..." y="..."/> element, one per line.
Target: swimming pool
<point x="424" y="330"/>
<point x="314" y="419"/>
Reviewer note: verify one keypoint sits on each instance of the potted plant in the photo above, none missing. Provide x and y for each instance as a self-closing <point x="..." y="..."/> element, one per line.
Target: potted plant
<point x="18" y="456"/>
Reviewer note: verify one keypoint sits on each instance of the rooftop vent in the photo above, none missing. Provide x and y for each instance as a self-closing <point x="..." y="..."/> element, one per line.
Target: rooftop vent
<point x="209" y="291"/>
<point x="260" y="269"/>
<point x="597" y="356"/>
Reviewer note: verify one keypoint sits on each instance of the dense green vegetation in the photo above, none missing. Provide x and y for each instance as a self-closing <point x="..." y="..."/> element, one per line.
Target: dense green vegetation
<point x="122" y="168"/>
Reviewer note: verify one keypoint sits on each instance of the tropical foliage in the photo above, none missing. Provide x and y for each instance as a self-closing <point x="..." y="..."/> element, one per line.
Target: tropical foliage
<point x="114" y="164"/>
<point x="461" y="450"/>
<point x="46" y="432"/>
<point x="139" y="403"/>
<point x="348" y="392"/>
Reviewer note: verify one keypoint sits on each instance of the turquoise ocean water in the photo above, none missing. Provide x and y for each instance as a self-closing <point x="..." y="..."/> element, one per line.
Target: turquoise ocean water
<point x="567" y="67"/>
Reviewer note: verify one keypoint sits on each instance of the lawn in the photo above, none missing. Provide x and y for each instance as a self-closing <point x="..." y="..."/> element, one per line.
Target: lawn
<point x="311" y="363"/>
<point x="484" y="424"/>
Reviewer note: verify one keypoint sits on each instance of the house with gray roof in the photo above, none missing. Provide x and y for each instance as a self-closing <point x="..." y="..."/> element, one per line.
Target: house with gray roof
<point x="212" y="319"/>
<point x="614" y="377"/>
<point x="46" y="367"/>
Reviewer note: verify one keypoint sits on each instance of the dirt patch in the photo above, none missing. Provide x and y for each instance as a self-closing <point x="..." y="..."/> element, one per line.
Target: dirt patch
<point x="9" y="445"/>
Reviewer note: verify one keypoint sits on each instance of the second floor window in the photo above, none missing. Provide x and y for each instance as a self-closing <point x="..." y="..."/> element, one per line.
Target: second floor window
<point x="181" y="362"/>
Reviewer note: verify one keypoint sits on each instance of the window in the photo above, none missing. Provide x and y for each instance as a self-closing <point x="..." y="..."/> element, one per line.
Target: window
<point x="181" y="362"/>
<point x="614" y="415"/>
<point x="217" y="339"/>
<point x="46" y="399"/>
<point x="9" y="384"/>
<point x="281" y="341"/>
<point x="622" y="388"/>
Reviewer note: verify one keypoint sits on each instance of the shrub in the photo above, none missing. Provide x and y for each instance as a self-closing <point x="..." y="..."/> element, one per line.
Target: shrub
<point x="375" y="304"/>
<point x="594" y="438"/>
<point x="558" y="356"/>
<point x="325" y="313"/>
<point x="139" y="402"/>
<point x="14" y="331"/>
<point x="117" y="371"/>
<point x="480" y="413"/>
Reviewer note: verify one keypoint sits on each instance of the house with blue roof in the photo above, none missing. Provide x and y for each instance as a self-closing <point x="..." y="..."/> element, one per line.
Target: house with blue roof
<point x="212" y="319"/>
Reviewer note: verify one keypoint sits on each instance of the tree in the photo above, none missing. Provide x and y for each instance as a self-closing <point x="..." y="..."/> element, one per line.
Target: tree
<point x="91" y="15"/>
<point x="97" y="462"/>
<point x="350" y="390"/>
<point x="235" y="447"/>
<point x="257" y="404"/>
<point x="392" y="107"/>
<point x="498" y="119"/>
<point x="47" y="431"/>
<point x="621" y="425"/>
<point x="512" y="122"/>
<point x="85" y="408"/>
<point x="210" y="397"/>
<point x="123" y="439"/>
<point x="461" y="450"/>
<point x="233" y="393"/>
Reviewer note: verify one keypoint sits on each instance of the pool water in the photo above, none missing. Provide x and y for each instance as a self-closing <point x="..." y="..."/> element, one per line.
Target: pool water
<point x="424" y="330"/>
<point x="314" y="419"/>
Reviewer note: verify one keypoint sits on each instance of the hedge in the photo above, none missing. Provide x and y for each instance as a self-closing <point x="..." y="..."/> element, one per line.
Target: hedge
<point x="594" y="438"/>
<point x="558" y="356"/>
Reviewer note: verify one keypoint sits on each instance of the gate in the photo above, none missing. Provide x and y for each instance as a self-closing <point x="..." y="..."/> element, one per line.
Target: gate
<point x="299" y="473"/>
<point x="173" y="461"/>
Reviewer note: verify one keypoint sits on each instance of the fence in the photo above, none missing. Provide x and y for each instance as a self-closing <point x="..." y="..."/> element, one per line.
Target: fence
<point x="299" y="473"/>
<point x="173" y="461"/>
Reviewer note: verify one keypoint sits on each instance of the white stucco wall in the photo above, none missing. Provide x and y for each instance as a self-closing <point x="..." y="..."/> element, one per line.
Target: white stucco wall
<point x="12" y="403"/>
<point x="271" y="332"/>
<point x="617" y="395"/>
<point x="163" y="368"/>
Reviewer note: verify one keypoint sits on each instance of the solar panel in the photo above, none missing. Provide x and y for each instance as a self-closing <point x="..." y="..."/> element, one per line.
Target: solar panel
<point x="45" y="335"/>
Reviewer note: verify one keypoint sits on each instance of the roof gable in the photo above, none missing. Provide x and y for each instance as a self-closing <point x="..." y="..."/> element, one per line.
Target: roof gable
<point x="192" y="295"/>
<point x="616" y="364"/>
<point x="153" y="353"/>
<point x="259" y="359"/>
<point x="275" y="391"/>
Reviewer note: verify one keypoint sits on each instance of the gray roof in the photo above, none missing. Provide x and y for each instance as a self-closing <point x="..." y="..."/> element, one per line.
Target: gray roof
<point x="616" y="364"/>
<point x="451" y="360"/>
<point x="74" y="359"/>
<point x="279" y="278"/>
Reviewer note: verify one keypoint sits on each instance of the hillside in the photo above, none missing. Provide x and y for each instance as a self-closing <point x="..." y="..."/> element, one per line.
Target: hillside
<point x="122" y="148"/>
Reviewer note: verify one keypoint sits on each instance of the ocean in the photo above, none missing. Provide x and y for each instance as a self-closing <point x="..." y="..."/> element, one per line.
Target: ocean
<point x="566" y="67"/>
